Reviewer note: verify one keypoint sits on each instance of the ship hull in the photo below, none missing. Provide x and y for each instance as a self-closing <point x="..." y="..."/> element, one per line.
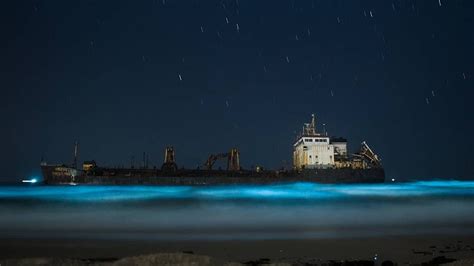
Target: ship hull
<point x="213" y="177"/>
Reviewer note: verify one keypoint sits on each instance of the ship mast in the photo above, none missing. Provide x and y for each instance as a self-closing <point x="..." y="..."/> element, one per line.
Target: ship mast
<point x="76" y="147"/>
<point x="309" y="129"/>
<point x="313" y="125"/>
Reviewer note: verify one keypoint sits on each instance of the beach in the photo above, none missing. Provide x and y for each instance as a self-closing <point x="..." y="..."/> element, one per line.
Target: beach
<point x="403" y="250"/>
<point x="296" y="224"/>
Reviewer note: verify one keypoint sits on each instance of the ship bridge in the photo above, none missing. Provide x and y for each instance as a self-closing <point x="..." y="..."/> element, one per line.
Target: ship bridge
<point x="313" y="149"/>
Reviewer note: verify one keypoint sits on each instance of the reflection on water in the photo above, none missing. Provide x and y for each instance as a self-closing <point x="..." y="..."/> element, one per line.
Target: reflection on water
<point x="296" y="210"/>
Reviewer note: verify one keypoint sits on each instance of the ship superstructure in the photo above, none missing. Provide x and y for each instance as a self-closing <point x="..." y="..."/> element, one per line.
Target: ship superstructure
<point x="316" y="150"/>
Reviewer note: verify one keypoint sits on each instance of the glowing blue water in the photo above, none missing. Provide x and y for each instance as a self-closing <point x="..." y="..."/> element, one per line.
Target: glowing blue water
<point x="301" y="191"/>
<point x="297" y="210"/>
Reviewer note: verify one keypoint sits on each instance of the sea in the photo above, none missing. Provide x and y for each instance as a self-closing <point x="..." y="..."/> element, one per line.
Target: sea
<point x="237" y="212"/>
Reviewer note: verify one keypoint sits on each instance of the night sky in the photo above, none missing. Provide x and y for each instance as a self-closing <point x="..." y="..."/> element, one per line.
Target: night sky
<point x="124" y="77"/>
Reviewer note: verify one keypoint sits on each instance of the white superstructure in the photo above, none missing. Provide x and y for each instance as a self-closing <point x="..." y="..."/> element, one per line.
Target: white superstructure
<point x="315" y="150"/>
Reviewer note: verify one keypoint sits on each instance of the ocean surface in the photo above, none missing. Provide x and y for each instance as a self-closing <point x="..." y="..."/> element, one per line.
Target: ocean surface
<point x="283" y="211"/>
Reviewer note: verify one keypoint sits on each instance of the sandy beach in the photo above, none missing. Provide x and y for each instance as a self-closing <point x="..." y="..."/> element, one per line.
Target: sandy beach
<point x="422" y="223"/>
<point x="398" y="249"/>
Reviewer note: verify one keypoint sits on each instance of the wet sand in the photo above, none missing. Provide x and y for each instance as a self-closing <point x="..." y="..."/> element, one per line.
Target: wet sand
<point x="400" y="249"/>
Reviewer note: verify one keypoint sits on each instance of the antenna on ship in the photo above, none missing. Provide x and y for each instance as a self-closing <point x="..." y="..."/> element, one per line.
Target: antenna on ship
<point x="43" y="161"/>
<point x="76" y="147"/>
<point x="145" y="160"/>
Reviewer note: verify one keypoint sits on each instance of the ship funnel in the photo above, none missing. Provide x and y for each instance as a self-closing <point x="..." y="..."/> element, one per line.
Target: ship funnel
<point x="233" y="160"/>
<point x="169" y="155"/>
<point x="169" y="165"/>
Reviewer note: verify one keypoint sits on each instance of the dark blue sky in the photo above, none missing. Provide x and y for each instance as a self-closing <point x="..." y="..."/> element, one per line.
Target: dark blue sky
<point x="398" y="74"/>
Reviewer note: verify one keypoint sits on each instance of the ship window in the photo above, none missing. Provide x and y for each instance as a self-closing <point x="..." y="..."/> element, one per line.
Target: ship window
<point x="308" y="140"/>
<point x="310" y="156"/>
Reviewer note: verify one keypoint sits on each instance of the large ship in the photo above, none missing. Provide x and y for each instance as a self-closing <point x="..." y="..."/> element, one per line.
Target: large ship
<point x="317" y="157"/>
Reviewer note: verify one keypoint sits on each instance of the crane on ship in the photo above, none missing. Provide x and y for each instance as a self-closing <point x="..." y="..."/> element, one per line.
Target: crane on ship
<point x="233" y="160"/>
<point x="367" y="154"/>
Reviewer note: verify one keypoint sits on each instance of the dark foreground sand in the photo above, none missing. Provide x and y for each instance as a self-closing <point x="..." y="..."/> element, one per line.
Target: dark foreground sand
<point x="401" y="250"/>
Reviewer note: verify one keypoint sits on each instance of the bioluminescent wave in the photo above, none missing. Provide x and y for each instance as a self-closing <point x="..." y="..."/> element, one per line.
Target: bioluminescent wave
<point x="302" y="191"/>
<point x="296" y="210"/>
